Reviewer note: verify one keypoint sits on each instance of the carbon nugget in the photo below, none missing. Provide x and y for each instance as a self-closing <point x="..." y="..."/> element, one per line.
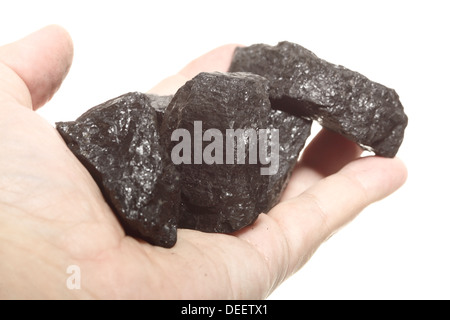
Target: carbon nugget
<point x="118" y="142"/>
<point x="341" y="100"/>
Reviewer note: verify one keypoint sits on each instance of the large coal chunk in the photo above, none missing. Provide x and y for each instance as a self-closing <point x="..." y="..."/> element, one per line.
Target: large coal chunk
<point x="119" y="143"/>
<point x="219" y="185"/>
<point x="341" y="100"/>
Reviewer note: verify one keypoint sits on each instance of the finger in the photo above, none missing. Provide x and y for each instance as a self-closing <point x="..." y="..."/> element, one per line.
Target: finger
<point x="13" y="89"/>
<point x="327" y="153"/>
<point x="218" y="59"/>
<point x="295" y="228"/>
<point x="169" y="85"/>
<point x="321" y="210"/>
<point x="41" y="61"/>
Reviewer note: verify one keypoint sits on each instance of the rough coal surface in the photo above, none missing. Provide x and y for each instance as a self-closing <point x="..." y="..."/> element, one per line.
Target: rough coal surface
<point x="219" y="197"/>
<point x="119" y="143"/>
<point x="341" y="100"/>
<point x="293" y="132"/>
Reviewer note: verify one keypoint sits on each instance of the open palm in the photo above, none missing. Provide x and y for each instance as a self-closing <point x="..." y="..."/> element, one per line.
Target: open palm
<point x="53" y="216"/>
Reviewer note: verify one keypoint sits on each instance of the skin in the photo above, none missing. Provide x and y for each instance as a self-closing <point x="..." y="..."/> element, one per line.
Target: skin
<point x="52" y="214"/>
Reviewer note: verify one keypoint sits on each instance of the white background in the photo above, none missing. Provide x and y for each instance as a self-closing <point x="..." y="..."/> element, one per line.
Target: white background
<point x="397" y="248"/>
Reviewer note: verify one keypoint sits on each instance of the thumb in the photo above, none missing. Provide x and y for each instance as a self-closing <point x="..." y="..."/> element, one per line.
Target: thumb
<point x="33" y="68"/>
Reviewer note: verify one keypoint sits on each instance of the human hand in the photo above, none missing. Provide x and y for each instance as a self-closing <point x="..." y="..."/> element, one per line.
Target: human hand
<point x="52" y="214"/>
